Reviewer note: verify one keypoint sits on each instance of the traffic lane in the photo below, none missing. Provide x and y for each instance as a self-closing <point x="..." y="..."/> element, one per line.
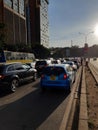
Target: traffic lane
<point x="7" y="97"/>
<point x="34" y="110"/>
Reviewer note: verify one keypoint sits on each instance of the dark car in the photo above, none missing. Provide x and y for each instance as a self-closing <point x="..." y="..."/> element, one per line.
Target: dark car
<point x="40" y="66"/>
<point x="13" y="74"/>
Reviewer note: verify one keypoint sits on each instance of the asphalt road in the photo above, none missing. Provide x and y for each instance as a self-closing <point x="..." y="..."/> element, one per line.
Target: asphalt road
<point x="30" y="109"/>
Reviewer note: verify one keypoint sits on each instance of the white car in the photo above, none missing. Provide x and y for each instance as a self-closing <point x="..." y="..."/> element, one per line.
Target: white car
<point x="74" y="66"/>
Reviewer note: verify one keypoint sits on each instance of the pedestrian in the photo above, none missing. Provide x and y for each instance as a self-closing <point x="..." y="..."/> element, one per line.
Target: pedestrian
<point x="87" y="62"/>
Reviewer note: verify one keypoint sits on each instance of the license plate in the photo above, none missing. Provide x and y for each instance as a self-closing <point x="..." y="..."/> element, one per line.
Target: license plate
<point x="52" y="77"/>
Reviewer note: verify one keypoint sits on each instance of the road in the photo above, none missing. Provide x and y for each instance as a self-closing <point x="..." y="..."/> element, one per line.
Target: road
<point x="30" y="109"/>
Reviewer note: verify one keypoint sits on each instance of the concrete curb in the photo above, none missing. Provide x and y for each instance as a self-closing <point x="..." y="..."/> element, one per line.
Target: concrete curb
<point x="66" y="125"/>
<point x="83" y="115"/>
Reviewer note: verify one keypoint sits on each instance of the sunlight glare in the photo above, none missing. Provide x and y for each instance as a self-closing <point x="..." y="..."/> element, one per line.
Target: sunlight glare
<point x="96" y="30"/>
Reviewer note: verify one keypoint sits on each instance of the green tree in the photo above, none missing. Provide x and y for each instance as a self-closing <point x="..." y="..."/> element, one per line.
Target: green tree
<point x="41" y="52"/>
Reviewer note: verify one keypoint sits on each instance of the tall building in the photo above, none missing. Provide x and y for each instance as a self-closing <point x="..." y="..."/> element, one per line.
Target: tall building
<point x="38" y="24"/>
<point x="12" y="15"/>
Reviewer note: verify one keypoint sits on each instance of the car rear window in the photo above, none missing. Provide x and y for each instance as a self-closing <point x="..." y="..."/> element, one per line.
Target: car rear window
<point x="54" y="70"/>
<point x="41" y="63"/>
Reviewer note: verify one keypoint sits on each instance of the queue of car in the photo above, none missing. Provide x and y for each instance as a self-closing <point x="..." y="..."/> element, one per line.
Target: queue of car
<point x="57" y="74"/>
<point x="52" y="74"/>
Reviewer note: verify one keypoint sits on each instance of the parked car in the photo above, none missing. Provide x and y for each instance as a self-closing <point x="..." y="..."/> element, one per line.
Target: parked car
<point x="13" y="74"/>
<point x="40" y="65"/>
<point x="57" y="76"/>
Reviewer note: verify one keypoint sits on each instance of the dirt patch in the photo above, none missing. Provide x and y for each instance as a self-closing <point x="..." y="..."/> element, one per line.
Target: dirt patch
<point x="92" y="101"/>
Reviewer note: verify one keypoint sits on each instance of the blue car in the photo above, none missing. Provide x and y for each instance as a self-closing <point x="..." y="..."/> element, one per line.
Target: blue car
<point x="57" y="76"/>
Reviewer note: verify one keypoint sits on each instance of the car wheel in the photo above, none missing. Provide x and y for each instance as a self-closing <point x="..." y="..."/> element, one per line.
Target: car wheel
<point x="34" y="76"/>
<point x="14" y="85"/>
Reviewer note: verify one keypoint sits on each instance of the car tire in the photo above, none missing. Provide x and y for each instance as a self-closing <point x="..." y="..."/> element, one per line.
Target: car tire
<point x="14" y="84"/>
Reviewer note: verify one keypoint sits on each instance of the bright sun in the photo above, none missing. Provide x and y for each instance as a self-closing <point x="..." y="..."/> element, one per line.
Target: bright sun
<point x="96" y="30"/>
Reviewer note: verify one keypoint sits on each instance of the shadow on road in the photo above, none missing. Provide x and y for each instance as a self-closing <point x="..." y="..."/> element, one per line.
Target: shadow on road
<point x="31" y="110"/>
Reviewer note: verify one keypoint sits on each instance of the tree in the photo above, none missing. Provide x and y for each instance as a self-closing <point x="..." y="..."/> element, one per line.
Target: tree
<point x="40" y="51"/>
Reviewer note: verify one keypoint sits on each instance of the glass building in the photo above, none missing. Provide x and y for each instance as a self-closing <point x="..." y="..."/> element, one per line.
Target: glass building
<point x="17" y="5"/>
<point x="44" y="23"/>
<point x="13" y="16"/>
<point x="39" y="23"/>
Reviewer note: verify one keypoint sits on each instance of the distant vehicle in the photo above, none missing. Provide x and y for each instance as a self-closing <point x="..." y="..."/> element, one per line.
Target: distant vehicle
<point x="77" y="63"/>
<point x="40" y="66"/>
<point x="57" y="76"/>
<point x="72" y="64"/>
<point x="56" y="62"/>
<point x="12" y="74"/>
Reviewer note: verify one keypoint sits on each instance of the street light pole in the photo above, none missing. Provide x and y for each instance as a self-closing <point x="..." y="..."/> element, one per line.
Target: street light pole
<point x="86" y="35"/>
<point x="86" y="44"/>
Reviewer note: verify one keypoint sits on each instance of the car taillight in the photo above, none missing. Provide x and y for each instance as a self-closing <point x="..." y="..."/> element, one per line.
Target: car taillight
<point x="65" y="76"/>
<point x="2" y="76"/>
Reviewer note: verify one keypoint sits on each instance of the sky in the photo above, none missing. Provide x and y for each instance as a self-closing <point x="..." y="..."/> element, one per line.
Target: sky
<point x="72" y="21"/>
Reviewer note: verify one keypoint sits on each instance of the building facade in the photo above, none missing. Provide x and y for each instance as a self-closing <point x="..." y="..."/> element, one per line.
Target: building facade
<point x="12" y="15"/>
<point x="38" y="24"/>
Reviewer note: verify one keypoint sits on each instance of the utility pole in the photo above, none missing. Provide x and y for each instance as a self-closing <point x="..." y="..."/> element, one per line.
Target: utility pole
<point x="86" y="35"/>
<point x="71" y="43"/>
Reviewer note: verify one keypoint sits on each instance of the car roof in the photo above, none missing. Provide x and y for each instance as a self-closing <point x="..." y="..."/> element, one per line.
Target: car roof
<point x="59" y="65"/>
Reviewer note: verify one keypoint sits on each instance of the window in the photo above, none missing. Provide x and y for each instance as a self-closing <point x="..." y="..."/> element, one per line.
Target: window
<point x="15" y="5"/>
<point x="18" y="67"/>
<point x="26" y="66"/>
<point x="8" y="3"/>
<point x="10" y="68"/>
<point x="21" y="7"/>
<point x="54" y="71"/>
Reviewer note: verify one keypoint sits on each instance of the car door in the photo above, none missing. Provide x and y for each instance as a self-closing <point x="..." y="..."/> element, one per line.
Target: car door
<point x="20" y="71"/>
<point x="28" y="71"/>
